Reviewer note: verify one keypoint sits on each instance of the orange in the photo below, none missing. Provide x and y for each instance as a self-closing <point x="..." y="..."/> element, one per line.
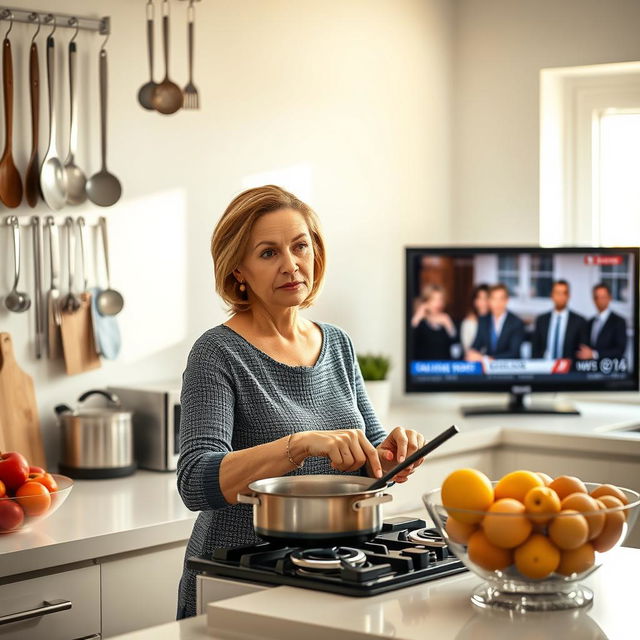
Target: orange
<point x="516" y="484"/>
<point x="576" y="560"/>
<point x="565" y="485"/>
<point x="545" y="478"/>
<point x="467" y="489"/>
<point x="609" y="490"/>
<point x="459" y="531"/>
<point x="611" y="502"/>
<point x="569" y="529"/>
<point x="541" y="503"/>
<point x="505" y="524"/>
<point x="612" y="532"/>
<point x="584" y="503"/>
<point x="537" y="558"/>
<point x="487" y="555"/>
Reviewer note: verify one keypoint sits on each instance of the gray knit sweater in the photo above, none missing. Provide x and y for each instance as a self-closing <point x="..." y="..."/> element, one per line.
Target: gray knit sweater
<point x="235" y="396"/>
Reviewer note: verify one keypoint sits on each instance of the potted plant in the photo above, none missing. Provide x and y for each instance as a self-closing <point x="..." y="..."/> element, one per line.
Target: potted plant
<point x="374" y="370"/>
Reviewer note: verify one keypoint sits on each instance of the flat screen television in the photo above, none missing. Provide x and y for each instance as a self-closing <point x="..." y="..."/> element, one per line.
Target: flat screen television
<point x="519" y="320"/>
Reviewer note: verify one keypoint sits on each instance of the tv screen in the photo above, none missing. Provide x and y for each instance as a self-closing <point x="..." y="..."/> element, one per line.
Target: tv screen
<point x="492" y="319"/>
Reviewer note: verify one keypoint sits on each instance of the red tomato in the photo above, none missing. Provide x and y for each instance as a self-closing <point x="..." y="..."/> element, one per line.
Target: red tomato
<point x="45" y="479"/>
<point x="14" y="469"/>
<point x="3" y="490"/>
<point x="34" y="498"/>
<point x="33" y="469"/>
<point x="11" y="515"/>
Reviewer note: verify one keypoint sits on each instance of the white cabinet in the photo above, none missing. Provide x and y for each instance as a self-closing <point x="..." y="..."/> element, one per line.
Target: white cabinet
<point x="140" y="589"/>
<point x="56" y="606"/>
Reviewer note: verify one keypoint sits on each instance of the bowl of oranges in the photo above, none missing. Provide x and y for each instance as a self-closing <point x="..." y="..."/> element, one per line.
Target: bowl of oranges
<point x="531" y="537"/>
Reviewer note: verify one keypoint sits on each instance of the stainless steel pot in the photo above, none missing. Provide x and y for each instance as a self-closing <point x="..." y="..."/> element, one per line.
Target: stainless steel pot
<point x="303" y="509"/>
<point x="96" y="442"/>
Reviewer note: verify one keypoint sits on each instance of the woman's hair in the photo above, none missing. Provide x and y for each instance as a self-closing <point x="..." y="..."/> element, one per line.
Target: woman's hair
<point x="429" y="289"/>
<point x="474" y="294"/>
<point x="231" y="235"/>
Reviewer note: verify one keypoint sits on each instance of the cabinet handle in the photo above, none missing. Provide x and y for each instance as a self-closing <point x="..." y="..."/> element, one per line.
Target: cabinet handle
<point x="51" y="606"/>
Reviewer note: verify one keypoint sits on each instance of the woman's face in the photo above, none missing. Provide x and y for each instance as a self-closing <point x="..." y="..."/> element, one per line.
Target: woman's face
<point x="436" y="302"/>
<point x="481" y="303"/>
<point x="279" y="252"/>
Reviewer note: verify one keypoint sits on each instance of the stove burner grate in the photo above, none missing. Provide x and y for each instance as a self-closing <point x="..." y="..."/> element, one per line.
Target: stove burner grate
<point x="429" y="537"/>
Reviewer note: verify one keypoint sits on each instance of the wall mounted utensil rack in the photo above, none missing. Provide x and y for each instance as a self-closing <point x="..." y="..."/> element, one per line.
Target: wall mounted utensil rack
<point x="62" y="20"/>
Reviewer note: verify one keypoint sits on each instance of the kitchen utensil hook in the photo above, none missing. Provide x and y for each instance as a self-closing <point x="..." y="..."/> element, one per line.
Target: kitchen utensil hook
<point x="51" y="18"/>
<point x="104" y="42"/>
<point x="35" y="17"/>
<point x="73" y="22"/>
<point x="7" y="13"/>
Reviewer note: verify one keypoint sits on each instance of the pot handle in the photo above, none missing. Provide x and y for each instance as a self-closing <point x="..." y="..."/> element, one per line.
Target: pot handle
<point x="372" y="502"/>
<point x="249" y="498"/>
<point x="111" y="397"/>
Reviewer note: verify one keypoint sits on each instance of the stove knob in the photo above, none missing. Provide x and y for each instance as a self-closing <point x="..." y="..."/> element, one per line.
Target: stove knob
<point x="421" y="557"/>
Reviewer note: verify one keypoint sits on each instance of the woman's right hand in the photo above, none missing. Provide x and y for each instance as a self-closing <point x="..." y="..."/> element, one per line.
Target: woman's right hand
<point x="348" y="449"/>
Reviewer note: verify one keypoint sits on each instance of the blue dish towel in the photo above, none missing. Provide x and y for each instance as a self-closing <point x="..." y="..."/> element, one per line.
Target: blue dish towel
<point x="105" y="329"/>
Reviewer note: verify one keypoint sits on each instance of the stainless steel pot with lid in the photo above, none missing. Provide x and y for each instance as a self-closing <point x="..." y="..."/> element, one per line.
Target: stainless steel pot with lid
<point x="96" y="442"/>
<point x="315" y="508"/>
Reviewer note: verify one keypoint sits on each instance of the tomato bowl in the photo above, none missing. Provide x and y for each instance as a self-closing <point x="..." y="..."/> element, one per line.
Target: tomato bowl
<point x="19" y="513"/>
<point x="537" y="566"/>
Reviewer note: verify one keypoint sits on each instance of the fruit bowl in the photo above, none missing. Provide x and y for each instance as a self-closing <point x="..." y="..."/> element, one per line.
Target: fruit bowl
<point x="529" y="572"/>
<point x="19" y="513"/>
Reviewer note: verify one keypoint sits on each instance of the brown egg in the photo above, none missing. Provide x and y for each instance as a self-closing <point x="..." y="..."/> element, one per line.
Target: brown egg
<point x="613" y="528"/>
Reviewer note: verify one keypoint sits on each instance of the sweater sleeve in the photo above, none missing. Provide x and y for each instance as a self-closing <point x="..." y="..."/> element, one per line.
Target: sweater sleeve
<point x="374" y="430"/>
<point x="206" y="426"/>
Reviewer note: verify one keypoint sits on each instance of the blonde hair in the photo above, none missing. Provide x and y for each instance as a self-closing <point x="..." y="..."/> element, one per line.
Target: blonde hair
<point x="231" y="236"/>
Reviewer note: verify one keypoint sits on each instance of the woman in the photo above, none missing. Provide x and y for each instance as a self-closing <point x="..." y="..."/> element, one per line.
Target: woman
<point x="270" y="393"/>
<point x="433" y="330"/>
<point x="479" y="307"/>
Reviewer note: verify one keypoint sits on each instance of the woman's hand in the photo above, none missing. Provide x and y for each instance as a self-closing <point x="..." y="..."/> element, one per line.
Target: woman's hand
<point x="348" y="449"/>
<point x="397" y="446"/>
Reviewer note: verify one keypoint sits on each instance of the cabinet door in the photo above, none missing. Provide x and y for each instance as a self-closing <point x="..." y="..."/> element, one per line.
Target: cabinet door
<point x="140" y="589"/>
<point x="59" y="606"/>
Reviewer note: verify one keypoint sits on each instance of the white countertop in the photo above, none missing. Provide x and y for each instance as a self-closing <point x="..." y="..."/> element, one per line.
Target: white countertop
<point x="101" y="518"/>
<point x="437" y="609"/>
<point x="595" y="430"/>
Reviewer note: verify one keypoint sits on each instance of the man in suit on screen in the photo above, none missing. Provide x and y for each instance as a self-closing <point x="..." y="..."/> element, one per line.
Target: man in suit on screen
<point x="500" y="332"/>
<point x="606" y="331"/>
<point x="560" y="332"/>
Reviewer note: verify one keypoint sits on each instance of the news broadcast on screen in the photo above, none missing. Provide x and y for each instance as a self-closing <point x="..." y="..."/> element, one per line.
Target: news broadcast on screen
<point x="554" y="318"/>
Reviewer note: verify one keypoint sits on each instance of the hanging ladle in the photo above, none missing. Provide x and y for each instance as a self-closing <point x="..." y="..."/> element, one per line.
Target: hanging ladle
<point x="16" y="301"/>
<point x="420" y="453"/>
<point x="167" y="98"/>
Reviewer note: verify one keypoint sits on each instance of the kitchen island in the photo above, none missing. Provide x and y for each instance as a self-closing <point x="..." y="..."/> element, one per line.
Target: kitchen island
<point x="438" y="609"/>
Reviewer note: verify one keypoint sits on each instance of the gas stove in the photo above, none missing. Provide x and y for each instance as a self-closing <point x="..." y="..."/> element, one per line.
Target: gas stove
<point x="405" y="552"/>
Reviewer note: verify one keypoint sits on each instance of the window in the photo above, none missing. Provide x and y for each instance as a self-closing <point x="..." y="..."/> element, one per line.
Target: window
<point x="589" y="154"/>
<point x="617" y="277"/>
<point x="508" y="272"/>
<point x="540" y="275"/>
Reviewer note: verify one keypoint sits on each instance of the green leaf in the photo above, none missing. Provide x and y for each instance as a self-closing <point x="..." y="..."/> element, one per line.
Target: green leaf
<point x="374" y="367"/>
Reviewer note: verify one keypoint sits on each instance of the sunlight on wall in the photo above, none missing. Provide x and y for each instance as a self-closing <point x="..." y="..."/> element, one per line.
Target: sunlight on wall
<point x="619" y="187"/>
<point x="296" y="179"/>
<point x="148" y="251"/>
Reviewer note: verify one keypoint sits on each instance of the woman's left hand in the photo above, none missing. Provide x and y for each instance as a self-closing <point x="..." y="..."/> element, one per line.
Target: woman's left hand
<point x="397" y="446"/>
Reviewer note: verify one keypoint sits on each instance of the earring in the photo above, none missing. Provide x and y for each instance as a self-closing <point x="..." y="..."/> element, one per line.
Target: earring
<point x="242" y="287"/>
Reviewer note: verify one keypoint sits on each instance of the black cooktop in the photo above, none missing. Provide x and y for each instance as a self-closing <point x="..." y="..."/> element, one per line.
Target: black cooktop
<point x="405" y="553"/>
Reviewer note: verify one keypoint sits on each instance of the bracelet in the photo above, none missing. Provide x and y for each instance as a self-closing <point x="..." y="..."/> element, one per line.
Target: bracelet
<point x="291" y="460"/>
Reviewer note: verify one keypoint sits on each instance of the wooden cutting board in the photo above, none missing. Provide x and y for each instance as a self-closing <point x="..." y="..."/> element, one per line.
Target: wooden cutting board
<point x="78" y="342"/>
<point x="19" y="420"/>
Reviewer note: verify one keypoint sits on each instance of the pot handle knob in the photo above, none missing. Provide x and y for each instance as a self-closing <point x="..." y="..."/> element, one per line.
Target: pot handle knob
<point x="249" y="498"/>
<point x="111" y="397"/>
<point x="372" y="502"/>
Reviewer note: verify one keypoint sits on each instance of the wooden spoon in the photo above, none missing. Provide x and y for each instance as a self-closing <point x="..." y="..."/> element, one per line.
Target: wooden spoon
<point x="10" y="181"/>
<point x="32" y="176"/>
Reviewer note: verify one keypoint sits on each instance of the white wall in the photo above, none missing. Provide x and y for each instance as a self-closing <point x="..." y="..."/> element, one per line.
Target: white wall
<point x="499" y="48"/>
<point x="355" y="96"/>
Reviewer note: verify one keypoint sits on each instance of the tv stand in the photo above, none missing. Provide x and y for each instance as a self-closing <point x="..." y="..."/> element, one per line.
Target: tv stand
<point x="518" y="404"/>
